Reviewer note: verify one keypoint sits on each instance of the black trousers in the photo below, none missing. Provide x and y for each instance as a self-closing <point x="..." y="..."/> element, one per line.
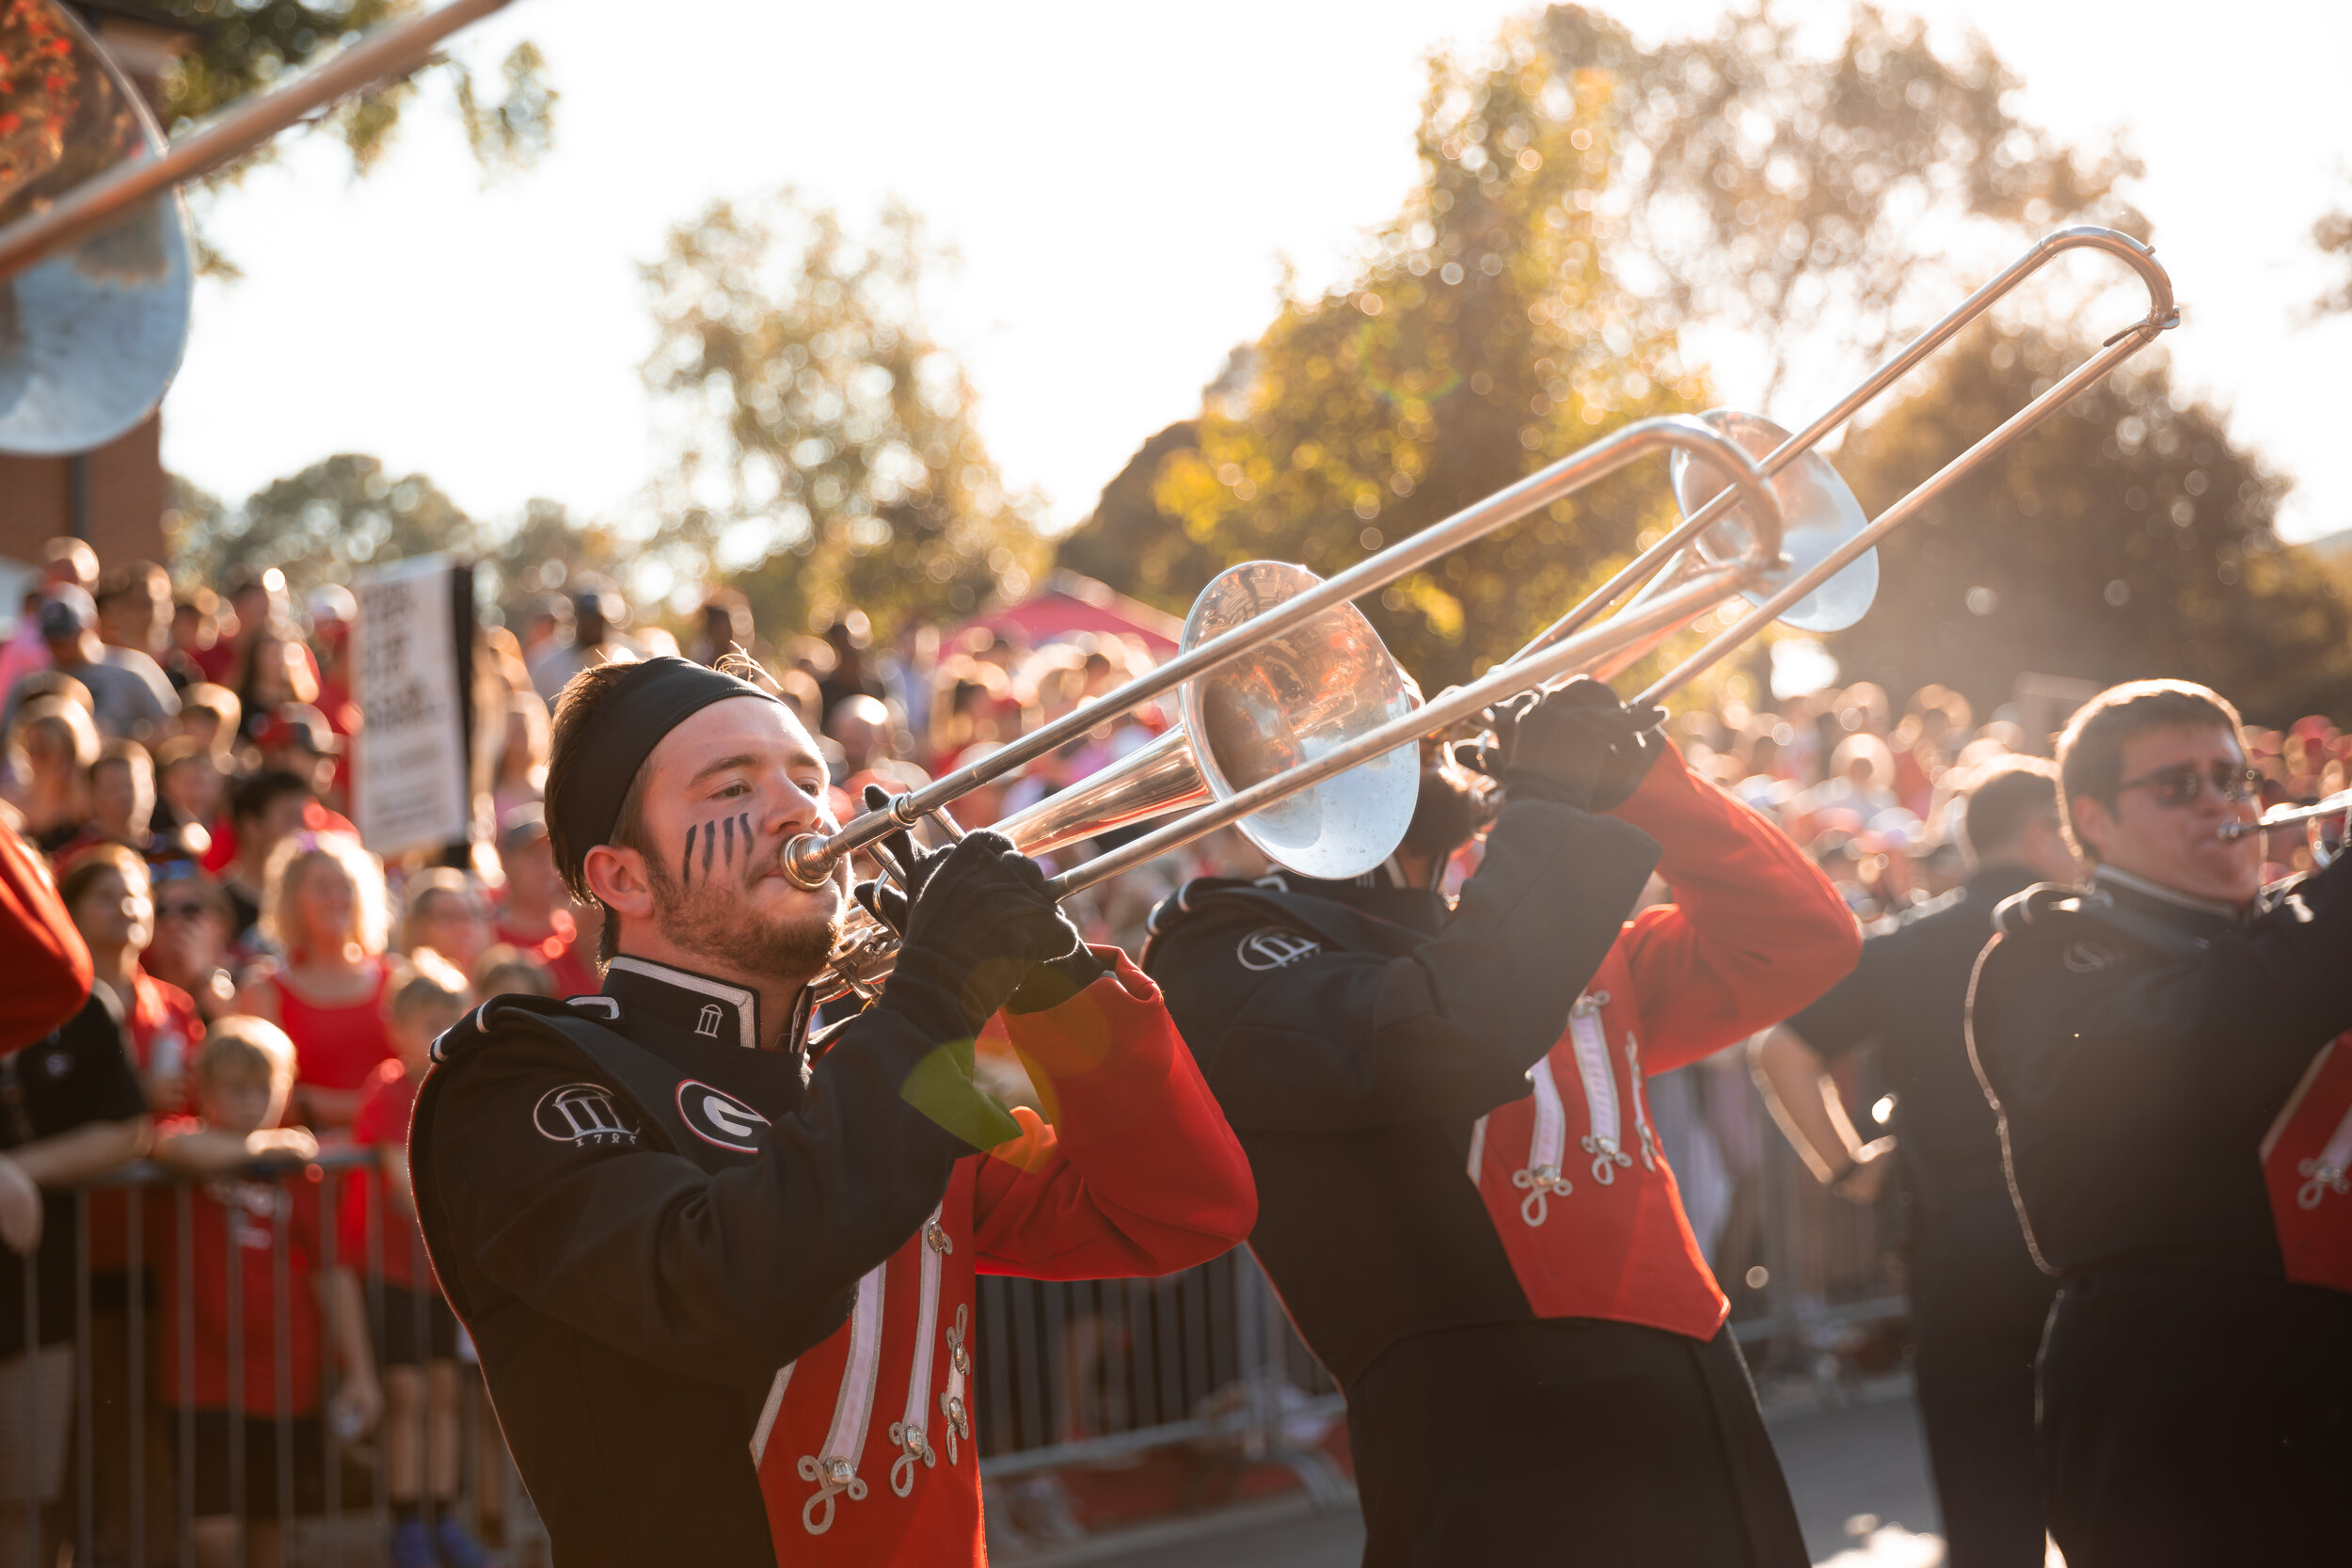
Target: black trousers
<point x="1568" y="1441"/>
<point x="1979" y="1306"/>
<point x="2194" y="1419"/>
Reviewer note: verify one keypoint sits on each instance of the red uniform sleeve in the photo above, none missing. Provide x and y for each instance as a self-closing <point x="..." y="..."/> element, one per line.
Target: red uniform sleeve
<point x="1138" y="1174"/>
<point x="1755" y="931"/>
<point x="41" y="954"/>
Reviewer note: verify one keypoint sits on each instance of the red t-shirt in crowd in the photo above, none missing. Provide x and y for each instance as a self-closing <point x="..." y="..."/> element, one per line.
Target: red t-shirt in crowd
<point x="223" y="830"/>
<point x="218" y="663"/>
<point x="161" y="1021"/>
<point x="335" y="1047"/>
<point x="165" y="1028"/>
<point x="382" y="1123"/>
<point x="559" y="950"/>
<point x="244" y="1217"/>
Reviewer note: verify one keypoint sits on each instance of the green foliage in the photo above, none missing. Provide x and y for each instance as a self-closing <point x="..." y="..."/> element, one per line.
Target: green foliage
<point x="347" y="513"/>
<point x="2128" y="537"/>
<point x="1585" y="191"/>
<point x="1483" y="340"/>
<point x="2333" y="235"/>
<point x="1798" y="194"/>
<point x="246" y="45"/>
<point x="319" y="525"/>
<point x="826" y="449"/>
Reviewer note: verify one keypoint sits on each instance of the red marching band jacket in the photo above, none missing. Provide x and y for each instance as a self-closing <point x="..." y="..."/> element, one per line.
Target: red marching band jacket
<point x="2307" y="1166"/>
<point x="865" y="1447"/>
<point x="1572" y="1176"/>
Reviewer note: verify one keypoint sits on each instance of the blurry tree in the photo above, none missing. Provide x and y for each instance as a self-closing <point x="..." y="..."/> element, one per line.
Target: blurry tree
<point x="2128" y="537"/>
<point x="1580" y="192"/>
<point x="245" y="45"/>
<point x="1808" y="194"/>
<point x="347" y="513"/>
<point x="548" y="551"/>
<point x="827" y="453"/>
<point x="319" y="525"/>
<point x="2332" y="234"/>
<point x="1483" y="337"/>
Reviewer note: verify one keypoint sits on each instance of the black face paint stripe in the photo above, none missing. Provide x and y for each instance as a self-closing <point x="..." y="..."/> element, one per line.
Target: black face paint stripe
<point x="710" y="842"/>
<point x="688" y="866"/>
<point x="730" y="841"/>
<point x="747" y="848"/>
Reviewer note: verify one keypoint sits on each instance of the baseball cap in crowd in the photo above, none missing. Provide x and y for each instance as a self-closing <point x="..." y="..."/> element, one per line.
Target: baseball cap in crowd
<point x="525" y="824"/>
<point x="298" y="724"/>
<point x="66" y="610"/>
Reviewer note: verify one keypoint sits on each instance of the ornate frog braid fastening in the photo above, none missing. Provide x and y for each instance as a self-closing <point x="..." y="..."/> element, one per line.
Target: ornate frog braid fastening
<point x="836" y="1470"/>
<point x="1540" y="1176"/>
<point x="958" y="1367"/>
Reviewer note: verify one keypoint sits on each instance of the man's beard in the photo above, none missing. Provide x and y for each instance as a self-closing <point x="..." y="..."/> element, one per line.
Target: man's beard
<point x="734" y="933"/>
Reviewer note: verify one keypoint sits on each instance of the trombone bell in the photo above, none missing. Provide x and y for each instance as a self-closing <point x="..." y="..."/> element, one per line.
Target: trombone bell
<point x="1300" y="696"/>
<point x="1821" y="514"/>
<point x="1291" y="699"/>
<point x="91" y="335"/>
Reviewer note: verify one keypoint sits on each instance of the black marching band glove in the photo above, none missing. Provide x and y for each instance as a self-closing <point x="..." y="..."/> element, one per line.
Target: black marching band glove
<point x="982" y="923"/>
<point x="1577" y="746"/>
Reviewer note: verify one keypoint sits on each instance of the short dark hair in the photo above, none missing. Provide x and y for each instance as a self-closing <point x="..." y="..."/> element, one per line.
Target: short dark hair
<point x="578" y="706"/>
<point x="2091" y="753"/>
<point x="252" y="798"/>
<point x="2007" y="796"/>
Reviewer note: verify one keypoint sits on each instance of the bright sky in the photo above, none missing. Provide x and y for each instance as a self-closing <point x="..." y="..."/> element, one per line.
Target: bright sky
<point x="1121" y="182"/>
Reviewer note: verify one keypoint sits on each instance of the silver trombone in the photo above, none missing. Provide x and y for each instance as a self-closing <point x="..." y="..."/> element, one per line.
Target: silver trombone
<point x="2312" y="819"/>
<point x="1264" y="754"/>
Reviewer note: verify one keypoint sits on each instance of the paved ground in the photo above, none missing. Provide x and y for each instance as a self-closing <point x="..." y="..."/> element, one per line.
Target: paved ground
<point x="1859" y="1477"/>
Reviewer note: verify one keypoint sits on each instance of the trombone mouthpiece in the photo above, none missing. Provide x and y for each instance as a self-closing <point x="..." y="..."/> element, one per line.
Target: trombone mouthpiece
<point x="806" y="863"/>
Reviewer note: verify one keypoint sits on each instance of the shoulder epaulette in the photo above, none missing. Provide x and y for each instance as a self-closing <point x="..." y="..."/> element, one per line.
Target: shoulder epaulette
<point x="2055" y="910"/>
<point x="2014" y="914"/>
<point x="1168" y="910"/>
<point x="469" y="1033"/>
<point x="1926" y="907"/>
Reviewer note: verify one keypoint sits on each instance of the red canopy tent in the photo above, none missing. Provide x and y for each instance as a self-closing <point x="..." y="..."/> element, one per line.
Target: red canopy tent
<point x="1069" y="604"/>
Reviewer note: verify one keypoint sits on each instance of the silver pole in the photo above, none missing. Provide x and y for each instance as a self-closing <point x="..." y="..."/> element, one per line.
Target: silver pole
<point x="96" y="204"/>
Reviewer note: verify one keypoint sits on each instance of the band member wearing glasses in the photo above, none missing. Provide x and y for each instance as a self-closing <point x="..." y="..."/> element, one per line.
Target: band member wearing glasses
<point x="721" y="1276"/>
<point x="1464" y="1204"/>
<point x="2177" y="1125"/>
<point x="1976" y="1300"/>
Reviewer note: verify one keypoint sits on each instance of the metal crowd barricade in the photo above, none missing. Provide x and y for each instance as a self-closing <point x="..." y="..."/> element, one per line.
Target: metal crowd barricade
<point x="128" y="1494"/>
<point x="1069" y="1376"/>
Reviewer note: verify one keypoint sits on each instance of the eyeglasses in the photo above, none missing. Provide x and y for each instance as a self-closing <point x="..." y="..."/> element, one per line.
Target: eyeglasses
<point x="2184" y="783"/>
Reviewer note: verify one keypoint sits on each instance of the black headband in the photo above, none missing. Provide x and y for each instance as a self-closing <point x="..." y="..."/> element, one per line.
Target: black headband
<point x="653" y="699"/>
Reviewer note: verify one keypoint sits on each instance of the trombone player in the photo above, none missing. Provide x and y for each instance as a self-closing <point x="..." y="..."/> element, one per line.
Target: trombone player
<point x="1461" y="1199"/>
<point x="2165" y="1052"/>
<point x="720" y="1272"/>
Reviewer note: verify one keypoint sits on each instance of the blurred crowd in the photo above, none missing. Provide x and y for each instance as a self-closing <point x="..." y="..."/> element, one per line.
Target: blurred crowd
<point x="269" y="987"/>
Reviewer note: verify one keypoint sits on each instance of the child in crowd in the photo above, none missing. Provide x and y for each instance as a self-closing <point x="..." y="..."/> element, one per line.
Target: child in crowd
<point x="327" y="911"/>
<point x="416" y="1332"/>
<point x="243" y="1075"/>
<point x="504" y="970"/>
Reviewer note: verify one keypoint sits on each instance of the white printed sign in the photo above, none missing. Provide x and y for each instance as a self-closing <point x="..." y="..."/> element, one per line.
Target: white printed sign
<point x="408" y="788"/>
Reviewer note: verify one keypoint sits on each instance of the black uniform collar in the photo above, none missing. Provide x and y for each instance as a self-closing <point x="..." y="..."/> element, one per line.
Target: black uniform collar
<point x="1379" y="892"/>
<point x="1990" y="884"/>
<point x="2199" y="917"/>
<point x="697" y="1004"/>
